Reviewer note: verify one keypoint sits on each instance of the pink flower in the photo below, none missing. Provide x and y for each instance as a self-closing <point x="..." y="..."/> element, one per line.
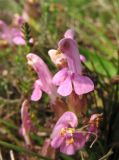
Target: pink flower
<point x="12" y="35"/>
<point x="17" y="36"/>
<point x="71" y="78"/>
<point x="65" y="136"/>
<point x="27" y="125"/>
<point x="44" y="81"/>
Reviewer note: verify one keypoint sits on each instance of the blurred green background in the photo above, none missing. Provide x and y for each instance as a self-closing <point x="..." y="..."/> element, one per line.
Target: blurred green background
<point x="96" y="23"/>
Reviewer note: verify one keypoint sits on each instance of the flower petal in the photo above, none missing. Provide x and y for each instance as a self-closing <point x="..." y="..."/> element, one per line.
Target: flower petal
<point x="57" y="141"/>
<point x="82" y="84"/>
<point x="19" y="40"/>
<point x="65" y="87"/>
<point x="69" y="34"/>
<point x="60" y="76"/>
<point x="57" y="130"/>
<point x="68" y="118"/>
<point x="70" y="48"/>
<point x="44" y="75"/>
<point x="80" y="140"/>
<point x="37" y="92"/>
<point x="67" y="149"/>
<point x="56" y="58"/>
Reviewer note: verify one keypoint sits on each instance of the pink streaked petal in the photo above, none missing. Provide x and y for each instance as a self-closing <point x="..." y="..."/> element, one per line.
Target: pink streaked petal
<point x="60" y="76"/>
<point x="69" y="34"/>
<point x="19" y="40"/>
<point x="65" y="87"/>
<point x="68" y="149"/>
<point x="57" y="141"/>
<point x="82" y="84"/>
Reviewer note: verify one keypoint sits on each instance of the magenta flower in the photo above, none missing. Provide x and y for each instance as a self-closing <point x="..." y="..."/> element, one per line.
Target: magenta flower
<point x="44" y="82"/>
<point x="65" y="136"/>
<point x="71" y="78"/>
<point x="27" y="125"/>
<point x="12" y="35"/>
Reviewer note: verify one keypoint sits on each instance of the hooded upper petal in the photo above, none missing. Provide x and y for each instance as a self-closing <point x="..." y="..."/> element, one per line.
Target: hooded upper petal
<point x="68" y="119"/>
<point x="43" y="73"/>
<point x="82" y="84"/>
<point x="69" y="47"/>
<point x="39" y="66"/>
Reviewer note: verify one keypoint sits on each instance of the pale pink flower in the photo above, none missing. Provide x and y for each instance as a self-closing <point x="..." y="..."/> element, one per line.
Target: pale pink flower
<point x="65" y="136"/>
<point x="44" y="81"/>
<point x="12" y="35"/>
<point x="71" y="78"/>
